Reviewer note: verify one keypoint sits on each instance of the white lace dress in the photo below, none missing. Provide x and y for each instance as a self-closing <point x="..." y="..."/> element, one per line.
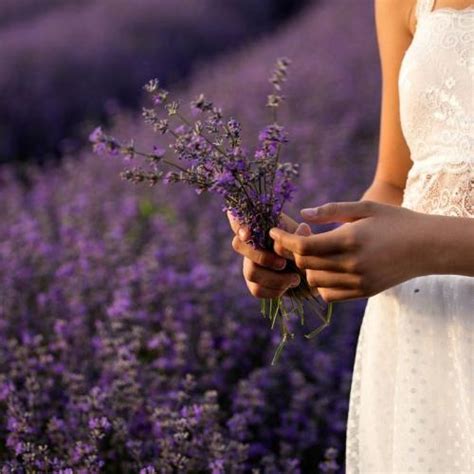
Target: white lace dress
<point x="411" y="403"/>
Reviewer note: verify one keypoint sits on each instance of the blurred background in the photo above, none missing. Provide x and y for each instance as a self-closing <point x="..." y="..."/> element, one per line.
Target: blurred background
<point x="128" y="340"/>
<point x="65" y="62"/>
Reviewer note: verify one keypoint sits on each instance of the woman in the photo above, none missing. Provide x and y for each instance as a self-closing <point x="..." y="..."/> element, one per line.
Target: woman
<point x="408" y="245"/>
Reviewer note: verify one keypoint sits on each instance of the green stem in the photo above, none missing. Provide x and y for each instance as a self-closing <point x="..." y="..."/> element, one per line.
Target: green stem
<point x="279" y="349"/>
<point x="326" y="323"/>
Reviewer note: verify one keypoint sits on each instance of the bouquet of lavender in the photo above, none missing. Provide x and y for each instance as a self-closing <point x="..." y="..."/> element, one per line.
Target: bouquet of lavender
<point x="211" y="157"/>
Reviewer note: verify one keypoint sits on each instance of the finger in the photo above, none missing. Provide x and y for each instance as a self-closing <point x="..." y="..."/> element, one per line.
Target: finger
<point x="302" y="229"/>
<point x="268" y="278"/>
<point x="331" y="295"/>
<point x="264" y="258"/>
<point x="287" y="223"/>
<point x="234" y="223"/>
<point x="261" y="292"/>
<point x="320" y="244"/>
<point x="331" y="263"/>
<point x="242" y="231"/>
<point x="325" y="279"/>
<point x="339" y="212"/>
<point x="283" y="252"/>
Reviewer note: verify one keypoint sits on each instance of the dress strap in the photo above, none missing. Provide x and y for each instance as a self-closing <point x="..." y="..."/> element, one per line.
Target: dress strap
<point x="423" y="7"/>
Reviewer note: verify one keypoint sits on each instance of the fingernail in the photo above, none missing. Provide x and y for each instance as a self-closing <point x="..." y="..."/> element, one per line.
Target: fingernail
<point x="295" y="281"/>
<point x="273" y="231"/>
<point x="280" y="264"/>
<point x="310" y="212"/>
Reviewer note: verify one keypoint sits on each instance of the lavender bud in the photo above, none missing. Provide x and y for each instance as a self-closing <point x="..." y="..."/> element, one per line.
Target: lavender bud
<point x="198" y="127"/>
<point x="161" y="126"/>
<point x="97" y="135"/>
<point x="172" y="108"/>
<point x="149" y="116"/>
<point x="201" y="104"/>
<point x="128" y="151"/>
<point x="274" y="100"/>
<point x="234" y="129"/>
<point x="158" y="153"/>
<point x="151" y="86"/>
<point x="160" y="97"/>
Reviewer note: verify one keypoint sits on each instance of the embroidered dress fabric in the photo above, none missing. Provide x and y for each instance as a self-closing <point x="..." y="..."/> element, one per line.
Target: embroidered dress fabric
<point x="411" y="403"/>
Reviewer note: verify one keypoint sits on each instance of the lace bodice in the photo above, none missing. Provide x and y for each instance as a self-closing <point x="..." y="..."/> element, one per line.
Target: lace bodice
<point x="436" y="85"/>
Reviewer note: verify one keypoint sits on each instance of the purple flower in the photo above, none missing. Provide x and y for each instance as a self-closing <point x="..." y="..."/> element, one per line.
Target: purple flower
<point x="273" y="133"/>
<point x="99" y="424"/>
<point x="217" y="466"/>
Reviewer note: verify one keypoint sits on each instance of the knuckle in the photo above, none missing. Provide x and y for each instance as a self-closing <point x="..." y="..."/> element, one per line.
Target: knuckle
<point x="254" y="291"/>
<point x="259" y="292"/>
<point x="279" y="249"/>
<point x="236" y="244"/>
<point x="253" y="288"/>
<point x="264" y="259"/>
<point x="354" y="265"/>
<point x="351" y="237"/>
<point x="312" y="279"/>
<point x="364" y="284"/>
<point x="251" y="273"/>
<point x="326" y="295"/>
<point x="369" y="206"/>
<point x="300" y="261"/>
<point x="358" y="282"/>
<point x="330" y="208"/>
<point x="302" y="247"/>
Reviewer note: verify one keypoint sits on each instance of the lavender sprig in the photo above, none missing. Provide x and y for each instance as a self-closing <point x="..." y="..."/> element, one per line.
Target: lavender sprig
<point x="211" y="157"/>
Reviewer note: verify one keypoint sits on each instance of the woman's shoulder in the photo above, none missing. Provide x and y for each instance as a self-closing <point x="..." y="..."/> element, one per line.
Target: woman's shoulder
<point x="398" y="11"/>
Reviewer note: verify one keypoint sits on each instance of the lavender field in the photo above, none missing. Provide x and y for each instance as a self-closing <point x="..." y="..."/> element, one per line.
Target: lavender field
<point x="128" y="339"/>
<point x="65" y="62"/>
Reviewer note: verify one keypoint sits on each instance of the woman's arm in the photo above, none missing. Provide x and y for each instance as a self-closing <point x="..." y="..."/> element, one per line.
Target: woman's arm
<point x="393" y="20"/>
<point x="450" y="245"/>
<point x="378" y="247"/>
<point x="448" y="241"/>
<point x="385" y="193"/>
<point x="381" y="244"/>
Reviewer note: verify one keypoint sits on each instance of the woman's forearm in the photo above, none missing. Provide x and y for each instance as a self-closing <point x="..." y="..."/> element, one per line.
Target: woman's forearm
<point x="383" y="192"/>
<point x="449" y="245"/>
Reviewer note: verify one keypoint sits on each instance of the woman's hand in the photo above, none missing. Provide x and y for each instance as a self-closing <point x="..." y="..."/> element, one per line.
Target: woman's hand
<point x="378" y="247"/>
<point x="262" y="268"/>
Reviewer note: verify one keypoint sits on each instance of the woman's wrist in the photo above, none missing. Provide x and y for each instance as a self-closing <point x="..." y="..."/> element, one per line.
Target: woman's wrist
<point x="446" y="245"/>
<point x="383" y="192"/>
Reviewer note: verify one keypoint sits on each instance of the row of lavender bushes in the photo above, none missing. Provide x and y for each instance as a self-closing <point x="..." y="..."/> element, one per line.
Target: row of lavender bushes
<point x="13" y="11"/>
<point x="65" y="62"/>
<point x="128" y="341"/>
